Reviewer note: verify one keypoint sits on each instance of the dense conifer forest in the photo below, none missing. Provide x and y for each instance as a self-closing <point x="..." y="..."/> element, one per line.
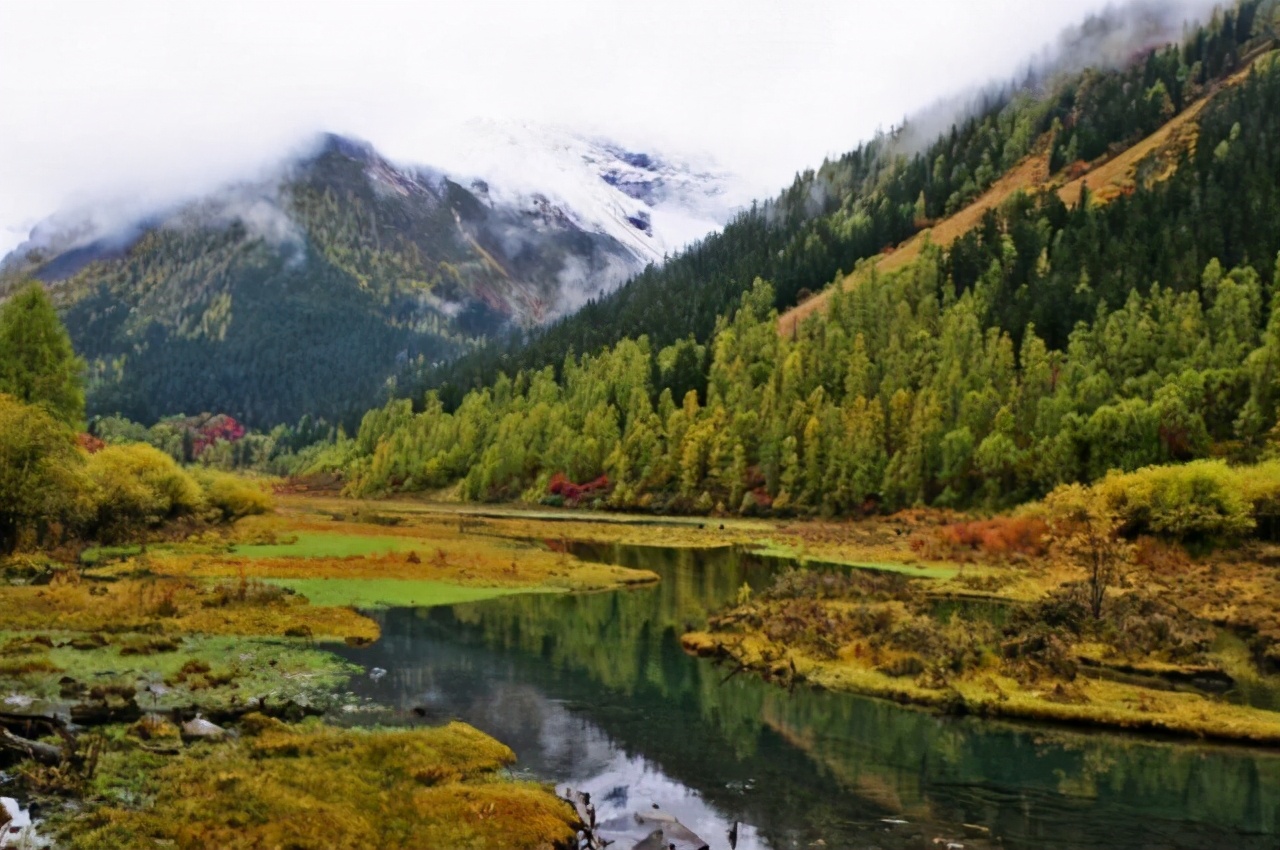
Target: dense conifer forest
<point x="1049" y="345"/>
<point x="882" y="192"/>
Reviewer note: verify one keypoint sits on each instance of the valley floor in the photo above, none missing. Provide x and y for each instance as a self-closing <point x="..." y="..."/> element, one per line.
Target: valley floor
<point x="231" y="628"/>
<point x="134" y="641"/>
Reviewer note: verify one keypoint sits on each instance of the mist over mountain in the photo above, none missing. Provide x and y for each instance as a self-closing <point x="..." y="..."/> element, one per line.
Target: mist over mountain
<point x="358" y="265"/>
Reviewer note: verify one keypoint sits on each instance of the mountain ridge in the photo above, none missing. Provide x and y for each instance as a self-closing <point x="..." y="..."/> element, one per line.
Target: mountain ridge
<point x="1111" y="174"/>
<point x="430" y="261"/>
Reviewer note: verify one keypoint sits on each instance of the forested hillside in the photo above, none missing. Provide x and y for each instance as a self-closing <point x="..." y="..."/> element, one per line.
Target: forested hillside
<point x="1049" y="345"/>
<point x="310" y="293"/>
<point x="885" y="191"/>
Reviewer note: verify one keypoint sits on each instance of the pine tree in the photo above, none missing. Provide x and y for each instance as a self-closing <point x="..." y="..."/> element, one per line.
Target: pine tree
<point x="37" y="363"/>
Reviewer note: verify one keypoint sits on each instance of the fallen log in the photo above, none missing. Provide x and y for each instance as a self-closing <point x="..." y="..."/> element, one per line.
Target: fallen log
<point x="31" y="725"/>
<point x="37" y="750"/>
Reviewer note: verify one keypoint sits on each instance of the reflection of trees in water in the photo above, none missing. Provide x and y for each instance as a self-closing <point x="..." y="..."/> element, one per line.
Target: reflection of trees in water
<point x="823" y="765"/>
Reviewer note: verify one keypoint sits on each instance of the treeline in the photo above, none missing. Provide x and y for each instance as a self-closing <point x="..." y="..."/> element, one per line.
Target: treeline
<point x="904" y="393"/>
<point x="874" y="197"/>
<point x="218" y="441"/>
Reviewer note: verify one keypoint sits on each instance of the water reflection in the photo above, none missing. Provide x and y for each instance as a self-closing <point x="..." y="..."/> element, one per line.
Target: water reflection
<point x="595" y="691"/>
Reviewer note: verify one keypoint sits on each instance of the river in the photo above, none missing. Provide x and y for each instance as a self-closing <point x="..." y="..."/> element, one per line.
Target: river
<point x="594" y="691"/>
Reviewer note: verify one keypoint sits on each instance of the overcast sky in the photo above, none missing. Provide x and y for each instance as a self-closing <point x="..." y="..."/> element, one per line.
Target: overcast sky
<point x="99" y="98"/>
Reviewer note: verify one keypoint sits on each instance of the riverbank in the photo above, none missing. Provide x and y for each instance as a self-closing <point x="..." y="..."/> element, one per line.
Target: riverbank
<point x="230" y="625"/>
<point x="1182" y="645"/>
<point x="877" y="541"/>
<point x="1168" y="658"/>
<point x="1166" y="661"/>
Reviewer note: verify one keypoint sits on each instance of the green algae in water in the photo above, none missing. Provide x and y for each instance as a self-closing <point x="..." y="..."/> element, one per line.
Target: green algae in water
<point x="301" y="545"/>
<point x="392" y="593"/>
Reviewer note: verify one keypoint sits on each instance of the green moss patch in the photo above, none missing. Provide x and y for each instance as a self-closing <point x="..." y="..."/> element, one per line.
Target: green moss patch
<point x="214" y="672"/>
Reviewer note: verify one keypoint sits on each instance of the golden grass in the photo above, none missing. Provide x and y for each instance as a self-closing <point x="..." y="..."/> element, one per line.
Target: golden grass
<point x="475" y="556"/>
<point x="171" y="606"/>
<point x="990" y="694"/>
<point x="319" y="787"/>
<point x="1032" y="171"/>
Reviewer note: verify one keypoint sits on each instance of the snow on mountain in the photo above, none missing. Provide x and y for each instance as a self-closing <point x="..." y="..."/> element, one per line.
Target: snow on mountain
<point x="654" y="204"/>
<point x="651" y="203"/>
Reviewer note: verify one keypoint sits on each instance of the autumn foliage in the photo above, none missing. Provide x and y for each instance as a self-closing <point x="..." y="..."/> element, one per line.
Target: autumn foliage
<point x="207" y="430"/>
<point x="561" y="486"/>
<point x="998" y="537"/>
<point x="90" y="443"/>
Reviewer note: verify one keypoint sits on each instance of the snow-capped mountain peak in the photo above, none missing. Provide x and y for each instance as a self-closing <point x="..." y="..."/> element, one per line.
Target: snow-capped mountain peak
<point x="652" y="204"/>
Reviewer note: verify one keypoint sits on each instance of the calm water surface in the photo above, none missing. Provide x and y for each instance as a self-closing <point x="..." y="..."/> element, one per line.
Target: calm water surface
<point x="593" y="691"/>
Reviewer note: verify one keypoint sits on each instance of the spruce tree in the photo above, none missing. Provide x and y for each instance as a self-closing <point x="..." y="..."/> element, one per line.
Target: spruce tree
<point x="37" y="363"/>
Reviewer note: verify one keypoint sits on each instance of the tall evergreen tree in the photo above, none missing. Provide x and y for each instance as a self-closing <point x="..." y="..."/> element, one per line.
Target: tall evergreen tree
<point x="37" y="362"/>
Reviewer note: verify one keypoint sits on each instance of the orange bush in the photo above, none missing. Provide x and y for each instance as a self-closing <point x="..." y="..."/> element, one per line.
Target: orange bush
<point x="1160" y="556"/>
<point x="998" y="537"/>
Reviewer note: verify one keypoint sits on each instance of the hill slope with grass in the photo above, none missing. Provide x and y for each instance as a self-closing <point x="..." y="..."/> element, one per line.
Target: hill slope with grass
<point x="1117" y="172"/>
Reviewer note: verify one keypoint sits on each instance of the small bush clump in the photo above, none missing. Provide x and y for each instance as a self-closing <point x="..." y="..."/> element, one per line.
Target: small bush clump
<point x="136" y="487"/>
<point x="231" y="495"/>
<point x="999" y="537"/>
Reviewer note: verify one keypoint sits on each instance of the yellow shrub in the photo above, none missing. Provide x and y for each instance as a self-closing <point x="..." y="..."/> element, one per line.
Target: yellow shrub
<point x="137" y="486"/>
<point x="1260" y="486"/>
<point x="41" y="473"/>
<point x="1201" y="499"/>
<point x="232" y="495"/>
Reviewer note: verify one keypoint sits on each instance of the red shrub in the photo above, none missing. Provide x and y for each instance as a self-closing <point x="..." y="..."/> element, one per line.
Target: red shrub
<point x="215" y="429"/>
<point x="90" y="443"/>
<point x="998" y="537"/>
<point x="561" y="486"/>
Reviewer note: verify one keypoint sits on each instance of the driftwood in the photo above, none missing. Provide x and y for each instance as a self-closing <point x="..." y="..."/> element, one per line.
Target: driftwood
<point x="588" y="839"/>
<point x="17" y="733"/>
<point x="32" y="725"/>
<point x="665" y="833"/>
<point x="41" y="752"/>
<point x="100" y="712"/>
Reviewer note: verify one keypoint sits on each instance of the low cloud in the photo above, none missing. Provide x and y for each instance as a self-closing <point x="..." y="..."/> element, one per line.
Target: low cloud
<point x="156" y="103"/>
<point x="1109" y="38"/>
